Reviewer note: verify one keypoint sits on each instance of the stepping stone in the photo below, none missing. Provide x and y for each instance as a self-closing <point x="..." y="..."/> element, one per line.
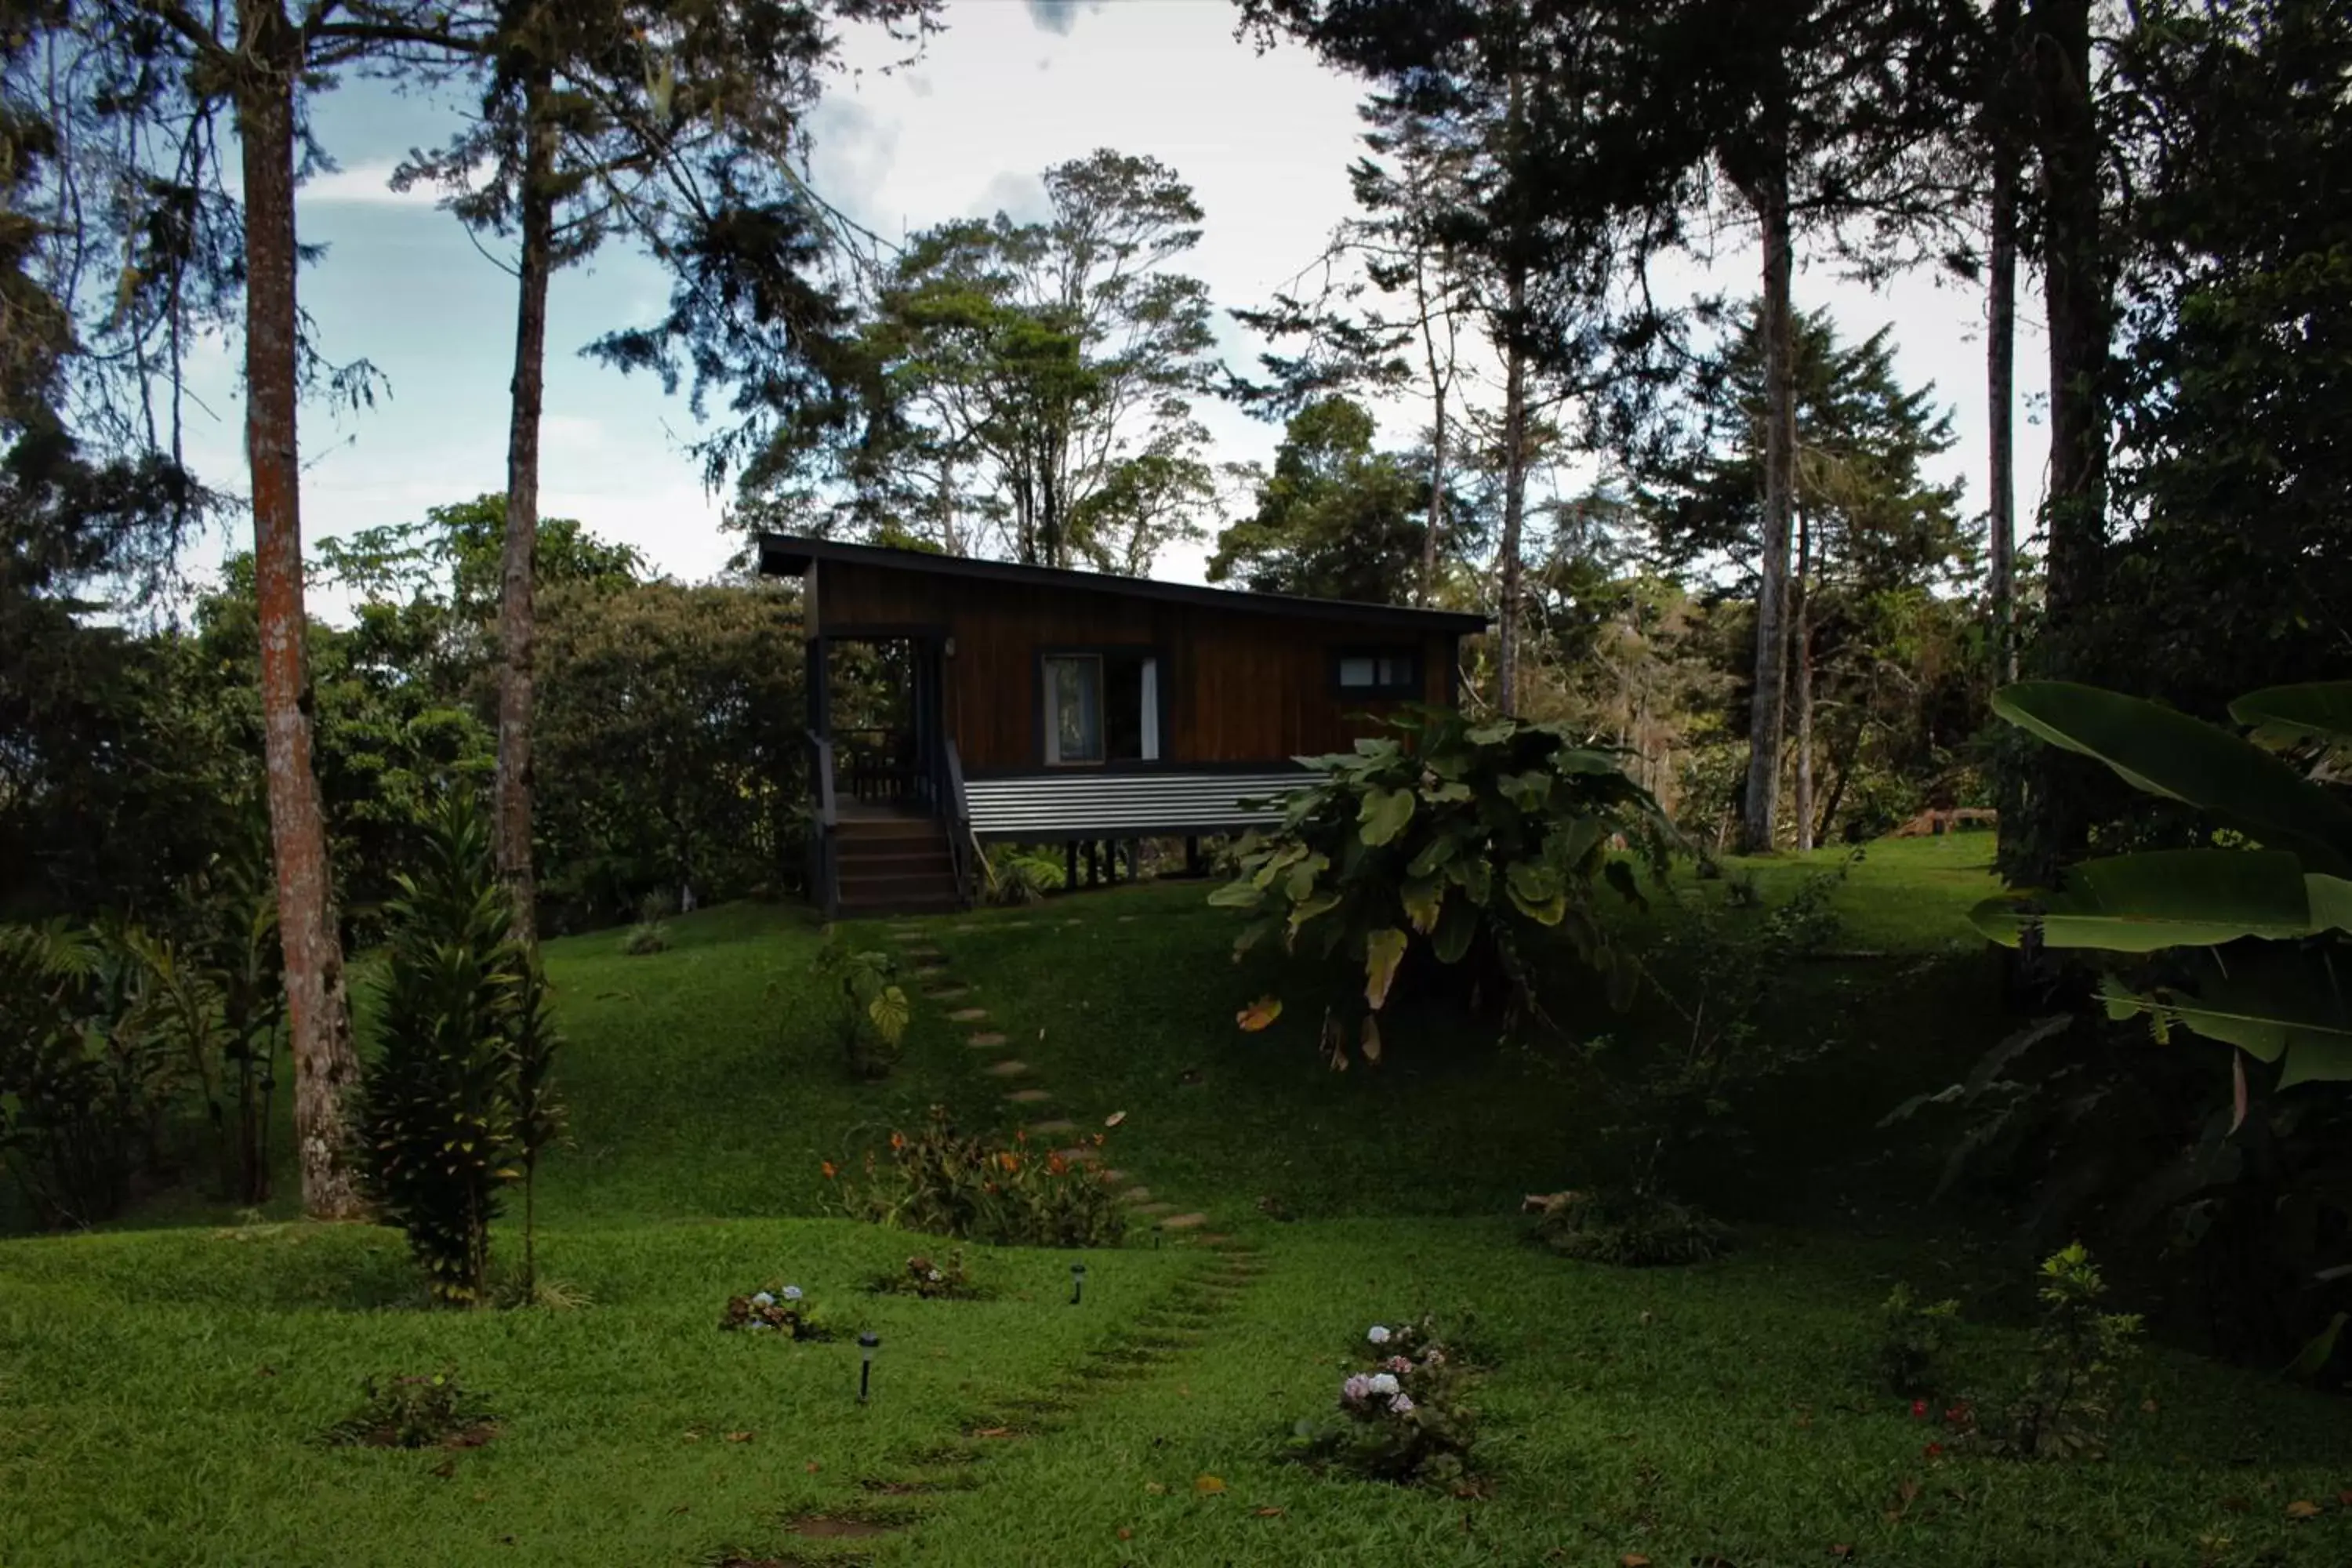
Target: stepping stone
<point x="906" y="934"/>
<point x="1085" y="1153"/>
<point x="1014" y="925"/>
<point x="1155" y="1208"/>
<point x="1048" y="1129"/>
<point x="984" y="1039"/>
<point x="1127" y="920"/>
<point x="1073" y="920"/>
<point x="1184" y="1222"/>
<point x="1029" y="1096"/>
<point x="1114" y="1175"/>
<point x="1006" y="1068"/>
<point x="924" y="951"/>
<point x="929" y="960"/>
<point x="968" y="925"/>
<point x="1135" y="1195"/>
<point x="967" y="1014"/>
<point x="939" y="988"/>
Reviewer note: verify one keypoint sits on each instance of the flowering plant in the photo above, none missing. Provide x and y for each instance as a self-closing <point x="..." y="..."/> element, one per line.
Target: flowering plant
<point x="1400" y="1417"/>
<point x="932" y="1280"/>
<point x="952" y="1184"/>
<point x="782" y="1309"/>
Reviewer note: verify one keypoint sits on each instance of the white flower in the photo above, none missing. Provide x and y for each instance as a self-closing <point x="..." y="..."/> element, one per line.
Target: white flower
<point x="937" y="1275"/>
<point x="764" y="1299"/>
<point x="1382" y="1382"/>
<point x="791" y="1292"/>
<point x="1378" y="1335"/>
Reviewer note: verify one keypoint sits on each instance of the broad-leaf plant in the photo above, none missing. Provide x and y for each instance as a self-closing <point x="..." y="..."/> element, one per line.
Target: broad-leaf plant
<point x="2268" y="899"/>
<point x="1456" y="840"/>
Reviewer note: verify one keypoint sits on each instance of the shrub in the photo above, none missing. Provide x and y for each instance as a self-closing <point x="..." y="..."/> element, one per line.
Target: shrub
<point x="81" y="1086"/>
<point x="1632" y="1230"/>
<point x="2066" y="1406"/>
<point x="781" y="1308"/>
<point x="981" y="1189"/>
<point x="457" y="1104"/>
<point x="931" y="1279"/>
<point x="424" y="1411"/>
<point x="1456" y="841"/>
<point x="1912" y="1338"/>
<point x="644" y="938"/>
<point x="874" y="1009"/>
<point x="1016" y="875"/>
<point x="1400" y="1419"/>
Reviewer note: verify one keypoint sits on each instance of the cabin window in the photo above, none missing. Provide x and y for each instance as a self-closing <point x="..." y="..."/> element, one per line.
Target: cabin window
<point x="1101" y="708"/>
<point x="1379" y="672"/>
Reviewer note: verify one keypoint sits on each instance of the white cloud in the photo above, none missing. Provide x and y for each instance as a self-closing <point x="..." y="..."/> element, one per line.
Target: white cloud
<point x="1019" y="195"/>
<point x="368" y="185"/>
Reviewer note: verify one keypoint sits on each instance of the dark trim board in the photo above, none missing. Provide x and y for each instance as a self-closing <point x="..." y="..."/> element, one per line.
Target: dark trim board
<point x="1272" y="765"/>
<point x="791" y="555"/>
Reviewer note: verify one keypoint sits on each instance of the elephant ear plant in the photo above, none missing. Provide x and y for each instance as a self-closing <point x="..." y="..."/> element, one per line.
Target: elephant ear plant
<point x="2243" y="940"/>
<point x="1455" y="840"/>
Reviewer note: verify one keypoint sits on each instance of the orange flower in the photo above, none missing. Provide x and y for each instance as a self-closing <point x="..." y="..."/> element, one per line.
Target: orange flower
<point x="1009" y="1160"/>
<point x="1059" y="1165"/>
<point x="830" y="1170"/>
<point x="898" y="1140"/>
<point x="1098" y="1138"/>
<point x="1022" y="1138"/>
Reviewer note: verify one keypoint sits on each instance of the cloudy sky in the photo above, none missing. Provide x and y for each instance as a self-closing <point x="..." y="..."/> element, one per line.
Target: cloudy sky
<point x="1010" y="88"/>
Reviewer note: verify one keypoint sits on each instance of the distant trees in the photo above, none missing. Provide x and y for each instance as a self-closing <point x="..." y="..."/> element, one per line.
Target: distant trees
<point x="1023" y="388"/>
<point x="1335" y="519"/>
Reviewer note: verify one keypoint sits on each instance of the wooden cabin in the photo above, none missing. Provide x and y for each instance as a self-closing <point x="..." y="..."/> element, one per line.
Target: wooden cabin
<point x="956" y="701"/>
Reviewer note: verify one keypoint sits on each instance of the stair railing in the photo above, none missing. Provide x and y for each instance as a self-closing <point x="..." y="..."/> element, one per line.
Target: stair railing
<point x="824" y="850"/>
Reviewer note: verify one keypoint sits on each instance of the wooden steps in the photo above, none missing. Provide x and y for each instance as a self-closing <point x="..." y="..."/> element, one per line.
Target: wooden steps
<point x="895" y="866"/>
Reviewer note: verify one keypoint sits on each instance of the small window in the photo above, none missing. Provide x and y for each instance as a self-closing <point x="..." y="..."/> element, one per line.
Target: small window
<point x="1379" y="672"/>
<point x="1101" y="707"/>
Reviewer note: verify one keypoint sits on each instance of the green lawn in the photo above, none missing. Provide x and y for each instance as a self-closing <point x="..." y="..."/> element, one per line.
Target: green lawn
<point x="164" y="1383"/>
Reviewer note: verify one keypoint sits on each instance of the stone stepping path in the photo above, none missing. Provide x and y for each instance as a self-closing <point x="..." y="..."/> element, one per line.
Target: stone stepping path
<point x="936" y="983"/>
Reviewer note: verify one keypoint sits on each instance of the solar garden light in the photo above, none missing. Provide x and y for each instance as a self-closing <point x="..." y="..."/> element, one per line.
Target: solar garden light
<point x="867" y="1343"/>
<point x="1078" y="1283"/>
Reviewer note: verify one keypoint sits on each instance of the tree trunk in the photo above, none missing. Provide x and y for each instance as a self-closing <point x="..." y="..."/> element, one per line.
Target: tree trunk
<point x="518" y="629"/>
<point x="1760" y="811"/>
<point x="1515" y="501"/>
<point x="1429" y="545"/>
<point x="2076" y="293"/>
<point x="319" y="1019"/>
<point x="2001" y="346"/>
<point x="1800" y="643"/>
<point x="1437" y="383"/>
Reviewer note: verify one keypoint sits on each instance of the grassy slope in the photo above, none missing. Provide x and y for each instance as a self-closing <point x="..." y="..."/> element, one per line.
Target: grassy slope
<point x="1672" y="1414"/>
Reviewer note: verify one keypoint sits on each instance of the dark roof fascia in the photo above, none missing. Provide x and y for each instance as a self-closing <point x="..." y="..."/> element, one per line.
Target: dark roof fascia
<point x="789" y="555"/>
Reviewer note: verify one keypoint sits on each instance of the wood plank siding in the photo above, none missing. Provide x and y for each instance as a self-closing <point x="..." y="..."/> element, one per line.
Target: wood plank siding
<point x="1239" y="685"/>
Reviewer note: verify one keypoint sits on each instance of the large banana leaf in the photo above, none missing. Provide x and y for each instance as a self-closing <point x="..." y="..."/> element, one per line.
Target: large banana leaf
<point x="2315" y="711"/>
<point x="2283" y="1003"/>
<point x="2167" y="753"/>
<point x="2164" y="897"/>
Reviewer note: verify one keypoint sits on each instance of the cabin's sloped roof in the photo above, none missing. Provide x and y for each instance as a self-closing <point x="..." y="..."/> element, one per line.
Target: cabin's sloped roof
<point x="790" y="556"/>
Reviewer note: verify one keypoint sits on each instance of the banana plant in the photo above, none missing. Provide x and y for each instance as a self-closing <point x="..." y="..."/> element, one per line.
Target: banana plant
<point x="2270" y="897"/>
